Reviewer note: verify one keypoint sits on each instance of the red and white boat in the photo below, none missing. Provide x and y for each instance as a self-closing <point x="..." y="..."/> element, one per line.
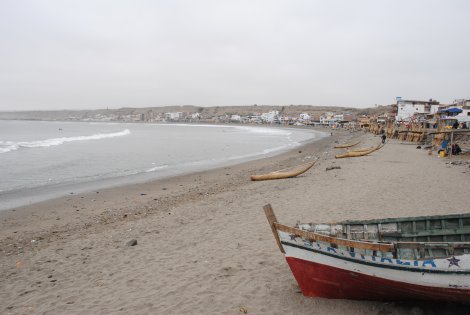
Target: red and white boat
<point x="419" y="258"/>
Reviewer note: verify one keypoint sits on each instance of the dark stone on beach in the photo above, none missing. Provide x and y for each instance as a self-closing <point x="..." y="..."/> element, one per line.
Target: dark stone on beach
<point x="142" y="194"/>
<point x="418" y="147"/>
<point x="300" y="151"/>
<point x="333" y="168"/>
<point x="131" y="243"/>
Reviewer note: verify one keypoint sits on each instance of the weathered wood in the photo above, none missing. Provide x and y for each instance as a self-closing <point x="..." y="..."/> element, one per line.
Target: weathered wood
<point x="442" y="245"/>
<point x="403" y="219"/>
<point x="268" y="211"/>
<point x="435" y="232"/>
<point x="450" y="131"/>
<point x="334" y="240"/>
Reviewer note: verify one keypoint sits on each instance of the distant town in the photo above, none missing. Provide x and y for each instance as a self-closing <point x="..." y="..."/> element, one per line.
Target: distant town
<point x="403" y="110"/>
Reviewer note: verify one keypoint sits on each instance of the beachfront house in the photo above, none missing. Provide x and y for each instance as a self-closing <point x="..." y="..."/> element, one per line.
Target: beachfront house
<point x="235" y="118"/>
<point x="327" y="118"/>
<point x="464" y="106"/>
<point x="304" y="117"/>
<point x="409" y="109"/>
<point x="271" y="117"/>
<point x="364" y="121"/>
<point x="176" y="116"/>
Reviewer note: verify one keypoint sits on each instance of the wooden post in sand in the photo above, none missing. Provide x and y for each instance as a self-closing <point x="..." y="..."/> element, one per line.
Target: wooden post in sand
<point x="272" y="219"/>
<point x="451" y="142"/>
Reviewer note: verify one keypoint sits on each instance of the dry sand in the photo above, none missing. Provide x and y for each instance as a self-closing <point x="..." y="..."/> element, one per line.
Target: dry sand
<point x="204" y="245"/>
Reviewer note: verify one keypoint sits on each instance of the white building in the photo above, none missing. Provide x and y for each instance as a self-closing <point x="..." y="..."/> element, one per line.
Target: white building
<point x="271" y="117"/>
<point x="326" y="118"/>
<point x="407" y="109"/>
<point x="196" y="116"/>
<point x="305" y="117"/>
<point x="173" y="116"/>
<point x="235" y="118"/>
<point x="464" y="105"/>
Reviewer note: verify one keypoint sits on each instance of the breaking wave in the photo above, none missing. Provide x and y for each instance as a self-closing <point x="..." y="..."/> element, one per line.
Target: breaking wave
<point x="7" y="146"/>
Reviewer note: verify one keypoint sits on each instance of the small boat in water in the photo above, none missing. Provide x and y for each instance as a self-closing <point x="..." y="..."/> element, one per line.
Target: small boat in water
<point x="285" y="173"/>
<point x="413" y="258"/>
<point x="347" y="145"/>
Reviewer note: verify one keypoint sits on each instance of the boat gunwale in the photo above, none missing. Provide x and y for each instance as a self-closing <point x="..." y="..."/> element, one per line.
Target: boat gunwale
<point x="371" y="263"/>
<point x="401" y="219"/>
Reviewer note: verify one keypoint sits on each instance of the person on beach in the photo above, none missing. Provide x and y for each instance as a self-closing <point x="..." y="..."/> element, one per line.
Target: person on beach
<point x="456" y="149"/>
<point x="384" y="137"/>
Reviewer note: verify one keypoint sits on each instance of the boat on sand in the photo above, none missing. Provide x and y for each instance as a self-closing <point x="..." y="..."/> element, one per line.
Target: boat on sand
<point x="359" y="152"/>
<point x="347" y="145"/>
<point x="412" y="258"/>
<point x="284" y="173"/>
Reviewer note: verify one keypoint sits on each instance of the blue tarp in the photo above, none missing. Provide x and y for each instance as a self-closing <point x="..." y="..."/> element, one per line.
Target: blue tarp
<point x="452" y="110"/>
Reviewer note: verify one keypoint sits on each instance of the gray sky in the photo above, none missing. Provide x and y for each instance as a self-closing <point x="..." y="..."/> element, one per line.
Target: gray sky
<point x="98" y="54"/>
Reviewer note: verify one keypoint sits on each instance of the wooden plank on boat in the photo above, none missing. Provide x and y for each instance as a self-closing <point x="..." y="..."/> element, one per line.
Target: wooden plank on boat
<point x="402" y="219"/>
<point x="442" y="245"/>
<point x="268" y="210"/>
<point x="436" y="232"/>
<point x="334" y="240"/>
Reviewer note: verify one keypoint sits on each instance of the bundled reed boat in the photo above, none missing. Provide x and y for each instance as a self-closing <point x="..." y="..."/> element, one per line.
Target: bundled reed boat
<point x="348" y="145"/>
<point x="284" y="173"/>
<point x="414" y="258"/>
<point x="359" y="152"/>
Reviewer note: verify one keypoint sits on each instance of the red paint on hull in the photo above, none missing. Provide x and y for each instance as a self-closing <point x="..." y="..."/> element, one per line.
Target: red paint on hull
<point x="317" y="280"/>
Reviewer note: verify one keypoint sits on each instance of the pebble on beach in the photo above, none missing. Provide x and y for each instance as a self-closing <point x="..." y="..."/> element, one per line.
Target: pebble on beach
<point x="131" y="242"/>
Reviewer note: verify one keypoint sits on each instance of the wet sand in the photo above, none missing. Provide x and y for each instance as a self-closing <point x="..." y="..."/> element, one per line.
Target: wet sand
<point x="203" y="243"/>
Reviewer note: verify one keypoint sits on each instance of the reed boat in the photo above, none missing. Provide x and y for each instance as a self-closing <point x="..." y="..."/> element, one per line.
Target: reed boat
<point x="347" y="145"/>
<point x="360" y="152"/>
<point x="395" y="259"/>
<point x="362" y="149"/>
<point x="285" y="173"/>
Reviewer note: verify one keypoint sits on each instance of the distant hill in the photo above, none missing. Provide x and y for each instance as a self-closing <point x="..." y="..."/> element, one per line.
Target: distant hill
<point x="290" y="110"/>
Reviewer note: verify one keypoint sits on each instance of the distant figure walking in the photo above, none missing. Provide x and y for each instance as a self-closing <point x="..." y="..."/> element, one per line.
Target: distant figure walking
<point x="384" y="137"/>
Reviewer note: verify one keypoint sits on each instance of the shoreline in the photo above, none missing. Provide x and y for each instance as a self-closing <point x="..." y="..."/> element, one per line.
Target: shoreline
<point x="165" y="188"/>
<point x="203" y="242"/>
<point x="21" y="197"/>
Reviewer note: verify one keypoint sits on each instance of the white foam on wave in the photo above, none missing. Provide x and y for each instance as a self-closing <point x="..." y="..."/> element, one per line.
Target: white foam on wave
<point x="156" y="168"/>
<point x="265" y="131"/>
<point x="252" y="129"/>
<point x="7" y="146"/>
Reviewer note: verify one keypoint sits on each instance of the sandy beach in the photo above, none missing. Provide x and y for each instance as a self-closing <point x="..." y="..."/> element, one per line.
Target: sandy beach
<point x="203" y="242"/>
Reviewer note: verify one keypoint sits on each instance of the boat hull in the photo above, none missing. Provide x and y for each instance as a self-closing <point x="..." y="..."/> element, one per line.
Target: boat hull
<point x="320" y="280"/>
<point x="364" y="268"/>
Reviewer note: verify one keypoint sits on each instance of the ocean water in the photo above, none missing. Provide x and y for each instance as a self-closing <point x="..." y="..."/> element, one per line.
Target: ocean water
<point x="41" y="160"/>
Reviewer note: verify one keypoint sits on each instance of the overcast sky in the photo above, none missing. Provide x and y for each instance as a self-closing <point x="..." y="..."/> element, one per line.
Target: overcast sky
<point x="96" y="54"/>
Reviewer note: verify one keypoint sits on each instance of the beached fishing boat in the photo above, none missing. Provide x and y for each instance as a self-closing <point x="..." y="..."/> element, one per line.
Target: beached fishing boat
<point x="284" y="173"/>
<point x="347" y="145"/>
<point x="359" y="152"/>
<point x="414" y="258"/>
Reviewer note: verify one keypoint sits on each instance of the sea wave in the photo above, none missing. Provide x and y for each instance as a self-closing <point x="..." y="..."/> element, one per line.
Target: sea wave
<point x="156" y="168"/>
<point x="7" y="146"/>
